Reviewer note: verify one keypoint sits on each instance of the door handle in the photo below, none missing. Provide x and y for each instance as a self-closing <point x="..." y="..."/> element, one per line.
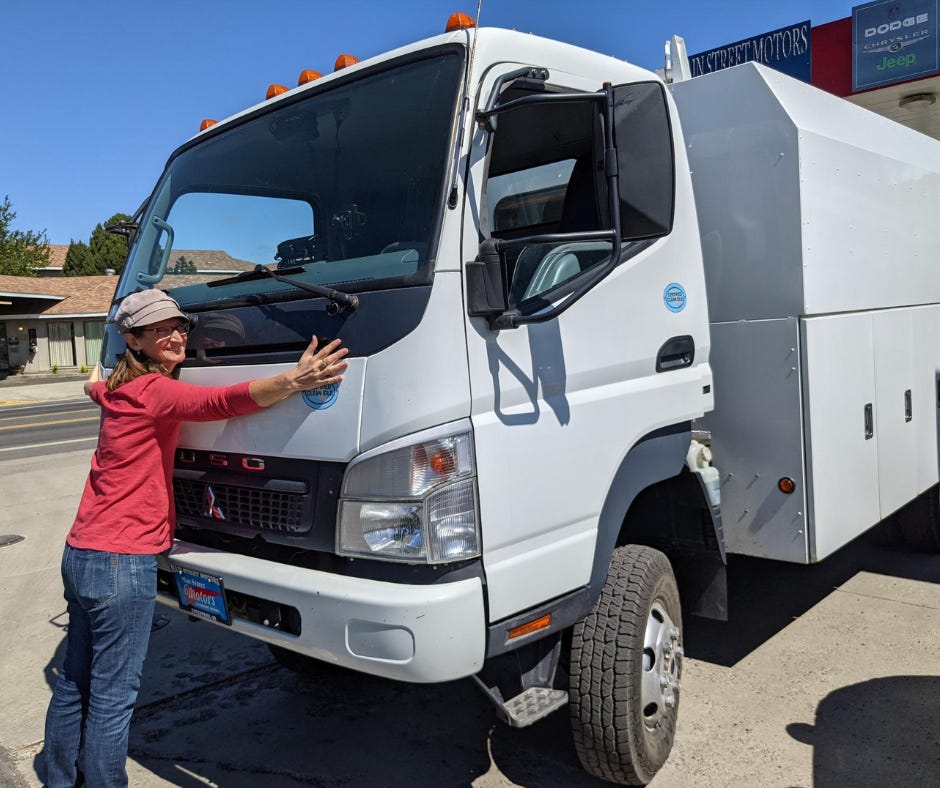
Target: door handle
<point x="676" y="353"/>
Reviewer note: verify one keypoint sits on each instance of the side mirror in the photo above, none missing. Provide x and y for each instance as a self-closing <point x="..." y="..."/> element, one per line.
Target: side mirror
<point x="486" y="282"/>
<point x="645" y="161"/>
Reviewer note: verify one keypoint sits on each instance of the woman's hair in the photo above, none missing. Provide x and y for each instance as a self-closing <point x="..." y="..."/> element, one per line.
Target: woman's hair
<point x="133" y="364"/>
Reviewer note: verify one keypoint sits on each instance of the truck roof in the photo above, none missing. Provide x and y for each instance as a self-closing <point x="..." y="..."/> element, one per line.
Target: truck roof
<point x="494" y="46"/>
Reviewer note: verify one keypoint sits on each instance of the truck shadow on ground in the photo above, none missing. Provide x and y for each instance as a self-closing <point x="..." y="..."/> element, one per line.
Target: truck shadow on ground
<point x="229" y="715"/>
<point x="765" y="596"/>
<point x="884" y="731"/>
<point x="274" y="728"/>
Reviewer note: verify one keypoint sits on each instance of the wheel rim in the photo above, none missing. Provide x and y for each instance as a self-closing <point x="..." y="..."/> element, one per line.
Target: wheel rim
<point x="662" y="663"/>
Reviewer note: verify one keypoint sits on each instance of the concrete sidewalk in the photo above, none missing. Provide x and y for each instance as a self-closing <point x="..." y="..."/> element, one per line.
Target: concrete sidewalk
<point x="22" y="389"/>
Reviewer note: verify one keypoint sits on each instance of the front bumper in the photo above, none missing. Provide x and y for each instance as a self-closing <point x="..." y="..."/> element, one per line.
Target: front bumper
<point x="417" y="633"/>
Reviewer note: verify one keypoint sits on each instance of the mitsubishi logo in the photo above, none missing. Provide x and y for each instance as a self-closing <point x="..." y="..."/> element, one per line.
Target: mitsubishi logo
<point x="211" y="510"/>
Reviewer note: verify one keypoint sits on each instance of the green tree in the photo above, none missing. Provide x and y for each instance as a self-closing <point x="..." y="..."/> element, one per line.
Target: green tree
<point x="104" y="250"/>
<point x="183" y="266"/>
<point x="79" y="261"/>
<point x="21" y="251"/>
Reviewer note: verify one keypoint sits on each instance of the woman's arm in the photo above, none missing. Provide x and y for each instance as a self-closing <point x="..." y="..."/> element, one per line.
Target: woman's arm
<point x="166" y="398"/>
<point x="315" y="368"/>
<point x="93" y="377"/>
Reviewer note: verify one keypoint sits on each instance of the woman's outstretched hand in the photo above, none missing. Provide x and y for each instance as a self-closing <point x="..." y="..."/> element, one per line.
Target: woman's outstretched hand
<point x="317" y="367"/>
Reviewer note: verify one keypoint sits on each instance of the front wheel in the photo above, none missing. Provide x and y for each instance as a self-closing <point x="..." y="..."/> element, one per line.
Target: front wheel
<point x="626" y="662"/>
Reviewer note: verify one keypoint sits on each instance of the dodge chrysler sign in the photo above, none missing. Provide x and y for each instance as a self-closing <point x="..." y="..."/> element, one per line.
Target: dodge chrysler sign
<point x="893" y="41"/>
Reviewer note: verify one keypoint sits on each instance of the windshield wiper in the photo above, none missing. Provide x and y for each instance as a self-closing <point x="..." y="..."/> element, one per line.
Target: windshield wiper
<point x="338" y="299"/>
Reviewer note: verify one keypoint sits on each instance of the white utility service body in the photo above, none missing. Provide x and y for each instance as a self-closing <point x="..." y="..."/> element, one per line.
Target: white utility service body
<point x="562" y="385"/>
<point x="821" y="263"/>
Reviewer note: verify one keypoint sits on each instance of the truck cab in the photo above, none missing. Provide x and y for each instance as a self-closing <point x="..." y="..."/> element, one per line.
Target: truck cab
<point x="502" y="231"/>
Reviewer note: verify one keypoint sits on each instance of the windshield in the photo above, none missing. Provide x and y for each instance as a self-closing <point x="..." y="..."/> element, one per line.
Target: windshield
<point x="342" y="189"/>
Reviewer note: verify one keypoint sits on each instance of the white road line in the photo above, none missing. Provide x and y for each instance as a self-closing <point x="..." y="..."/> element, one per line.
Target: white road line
<point x="53" y="443"/>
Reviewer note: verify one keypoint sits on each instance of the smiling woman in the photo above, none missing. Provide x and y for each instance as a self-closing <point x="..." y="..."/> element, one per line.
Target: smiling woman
<point x="126" y="517"/>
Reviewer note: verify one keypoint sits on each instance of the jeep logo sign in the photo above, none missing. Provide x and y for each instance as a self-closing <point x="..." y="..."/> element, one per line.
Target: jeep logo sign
<point x="893" y="41"/>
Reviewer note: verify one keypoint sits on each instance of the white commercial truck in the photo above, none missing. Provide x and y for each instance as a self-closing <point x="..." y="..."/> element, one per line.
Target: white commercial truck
<point x="602" y="332"/>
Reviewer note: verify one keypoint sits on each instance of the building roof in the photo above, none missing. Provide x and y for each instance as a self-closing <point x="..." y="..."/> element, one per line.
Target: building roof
<point x="70" y="295"/>
<point x="205" y="260"/>
<point x="211" y="260"/>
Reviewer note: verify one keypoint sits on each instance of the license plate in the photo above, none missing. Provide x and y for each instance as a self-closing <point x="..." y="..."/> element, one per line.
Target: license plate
<point x="202" y="595"/>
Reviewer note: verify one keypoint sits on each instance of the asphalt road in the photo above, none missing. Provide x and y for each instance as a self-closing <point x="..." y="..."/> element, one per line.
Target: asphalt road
<point x="827" y="675"/>
<point x="41" y="428"/>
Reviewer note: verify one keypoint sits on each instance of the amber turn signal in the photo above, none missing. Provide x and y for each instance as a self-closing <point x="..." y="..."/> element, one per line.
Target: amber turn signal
<point x="530" y="626"/>
<point x="786" y="485"/>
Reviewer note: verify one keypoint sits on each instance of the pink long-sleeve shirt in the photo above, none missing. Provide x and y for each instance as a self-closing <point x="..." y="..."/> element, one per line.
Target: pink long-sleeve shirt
<point x="128" y="504"/>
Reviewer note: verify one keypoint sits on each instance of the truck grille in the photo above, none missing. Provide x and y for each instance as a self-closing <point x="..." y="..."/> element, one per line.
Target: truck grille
<point x="245" y="507"/>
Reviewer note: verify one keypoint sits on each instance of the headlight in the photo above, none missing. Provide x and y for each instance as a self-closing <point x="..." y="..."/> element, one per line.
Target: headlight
<point x="414" y="504"/>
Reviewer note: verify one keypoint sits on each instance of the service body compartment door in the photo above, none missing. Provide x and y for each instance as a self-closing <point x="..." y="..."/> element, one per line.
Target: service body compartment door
<point x="925" y="396"/>
<point x="893" y="337"/>
<point x="841" y="428"/>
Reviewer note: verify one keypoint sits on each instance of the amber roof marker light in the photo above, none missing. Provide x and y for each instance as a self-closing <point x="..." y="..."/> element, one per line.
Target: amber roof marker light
<point x="207" y="124"/>
<point x="308" y="75"/>
<point x="459" y="21"/>
<point x="345" y="61"/>
<point x="275" y="90"/>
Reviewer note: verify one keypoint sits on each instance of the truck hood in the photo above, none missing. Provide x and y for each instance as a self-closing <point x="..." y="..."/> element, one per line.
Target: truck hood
<point x="321" y="425"/>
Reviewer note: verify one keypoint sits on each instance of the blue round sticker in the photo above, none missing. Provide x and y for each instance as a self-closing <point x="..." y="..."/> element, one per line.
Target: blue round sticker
<point x="674" y="297"/>
<point x="321" y="397"/>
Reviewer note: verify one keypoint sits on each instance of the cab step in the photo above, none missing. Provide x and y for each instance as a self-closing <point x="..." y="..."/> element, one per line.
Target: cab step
<point x="532" y="704"/>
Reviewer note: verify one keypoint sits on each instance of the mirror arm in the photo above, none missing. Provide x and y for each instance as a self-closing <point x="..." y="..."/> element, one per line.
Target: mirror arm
<point x="611" y="165"/>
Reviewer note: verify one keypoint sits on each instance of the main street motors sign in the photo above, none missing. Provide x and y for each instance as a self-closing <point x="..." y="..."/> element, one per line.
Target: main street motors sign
<point x="894" y="41"/>
<point x="786" y="49"/>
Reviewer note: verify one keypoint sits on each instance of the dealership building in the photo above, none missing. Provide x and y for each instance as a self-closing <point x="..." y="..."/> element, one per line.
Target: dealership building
<point x="884" y="56"/>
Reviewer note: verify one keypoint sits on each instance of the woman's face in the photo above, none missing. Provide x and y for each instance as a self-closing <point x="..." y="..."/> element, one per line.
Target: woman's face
<point x="164" y="342"/>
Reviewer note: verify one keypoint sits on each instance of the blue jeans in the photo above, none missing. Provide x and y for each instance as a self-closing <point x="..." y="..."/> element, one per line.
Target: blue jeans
<point x="110" y="600"/>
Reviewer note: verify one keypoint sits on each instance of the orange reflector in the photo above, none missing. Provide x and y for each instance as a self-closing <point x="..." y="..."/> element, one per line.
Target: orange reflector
<point x="531" y="626"/>
<point x="308" y="75"/>
<point x="344" y="61"/>
<point x="275" y="90"/>
<point x="459" y="21"/>
<point x="786" y="485"/>
<point x="207" y="123"/>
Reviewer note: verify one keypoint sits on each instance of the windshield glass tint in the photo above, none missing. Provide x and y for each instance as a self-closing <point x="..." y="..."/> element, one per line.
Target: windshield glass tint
<point x="343" y="189"/>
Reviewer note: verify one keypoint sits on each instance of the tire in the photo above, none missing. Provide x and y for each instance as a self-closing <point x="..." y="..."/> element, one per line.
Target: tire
<point x="626" y="662"/>
<point x="918" y="524"/>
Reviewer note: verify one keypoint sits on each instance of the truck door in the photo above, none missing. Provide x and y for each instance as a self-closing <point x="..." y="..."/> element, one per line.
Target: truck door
<point x="557" y="404"/>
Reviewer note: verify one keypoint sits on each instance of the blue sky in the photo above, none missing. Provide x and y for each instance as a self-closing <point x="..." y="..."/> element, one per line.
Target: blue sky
<point x="94" y="95"/>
